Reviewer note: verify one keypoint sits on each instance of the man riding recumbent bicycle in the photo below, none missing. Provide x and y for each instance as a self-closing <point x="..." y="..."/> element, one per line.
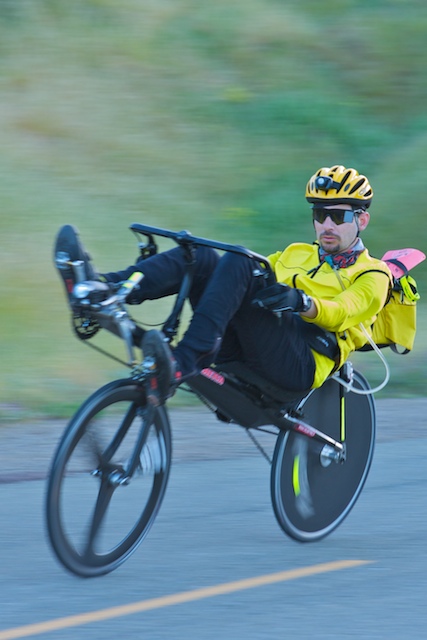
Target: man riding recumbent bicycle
<point x="267" y="348"/>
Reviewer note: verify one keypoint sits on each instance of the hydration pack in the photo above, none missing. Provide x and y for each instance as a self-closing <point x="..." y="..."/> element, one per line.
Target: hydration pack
<point x="396" y="323"/>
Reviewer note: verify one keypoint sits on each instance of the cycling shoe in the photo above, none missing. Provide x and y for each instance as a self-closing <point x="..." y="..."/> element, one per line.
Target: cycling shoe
<point x="72" y="260"/>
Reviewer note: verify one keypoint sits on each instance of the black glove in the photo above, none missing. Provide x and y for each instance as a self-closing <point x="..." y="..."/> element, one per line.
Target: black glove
<point x="280" y="297"/>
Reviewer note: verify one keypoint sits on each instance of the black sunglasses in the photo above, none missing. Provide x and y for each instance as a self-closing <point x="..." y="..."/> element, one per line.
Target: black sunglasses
<point x="338" y="216"/>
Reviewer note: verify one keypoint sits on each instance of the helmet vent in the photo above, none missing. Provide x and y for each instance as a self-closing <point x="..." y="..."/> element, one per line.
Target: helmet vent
<point x="344" y="180"/>
<point x="357" y="185"/>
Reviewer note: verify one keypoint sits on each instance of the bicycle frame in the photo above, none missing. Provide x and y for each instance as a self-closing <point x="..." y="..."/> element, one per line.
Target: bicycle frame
<point x="239" y="395"/>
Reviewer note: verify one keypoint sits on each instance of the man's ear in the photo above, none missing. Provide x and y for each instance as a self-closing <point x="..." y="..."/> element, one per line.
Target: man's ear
<point x="363" y="220"/>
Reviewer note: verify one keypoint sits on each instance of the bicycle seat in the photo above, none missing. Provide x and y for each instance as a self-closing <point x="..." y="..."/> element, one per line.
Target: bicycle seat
<point x="286" y="397"/>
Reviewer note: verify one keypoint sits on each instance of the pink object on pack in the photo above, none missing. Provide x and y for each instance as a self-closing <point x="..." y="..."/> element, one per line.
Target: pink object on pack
<point x="409" y="258"/>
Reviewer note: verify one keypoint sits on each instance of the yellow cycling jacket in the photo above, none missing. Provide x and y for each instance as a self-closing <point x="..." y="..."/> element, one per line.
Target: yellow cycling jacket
<point x="344" y="298"/>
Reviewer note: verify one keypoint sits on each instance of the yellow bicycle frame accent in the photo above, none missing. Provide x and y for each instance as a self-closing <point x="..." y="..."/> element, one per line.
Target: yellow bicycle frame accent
<point x="295" y="476"/>
<point x="342" y="418"/>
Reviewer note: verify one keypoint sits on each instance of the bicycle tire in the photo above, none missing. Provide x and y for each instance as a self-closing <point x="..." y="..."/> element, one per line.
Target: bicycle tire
<point x="311" y="497"/>
<point x="88" y="536"/>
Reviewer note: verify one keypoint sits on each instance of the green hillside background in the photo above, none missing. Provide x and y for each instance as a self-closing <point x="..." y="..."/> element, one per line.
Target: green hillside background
<point x="183" y="114"/>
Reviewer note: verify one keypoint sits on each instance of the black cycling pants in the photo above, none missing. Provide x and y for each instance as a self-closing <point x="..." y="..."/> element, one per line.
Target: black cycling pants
<point x="225" y="326"/>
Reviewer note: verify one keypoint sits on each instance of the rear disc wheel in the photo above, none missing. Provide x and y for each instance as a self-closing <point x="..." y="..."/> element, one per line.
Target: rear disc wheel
<point x="311" y="495"/>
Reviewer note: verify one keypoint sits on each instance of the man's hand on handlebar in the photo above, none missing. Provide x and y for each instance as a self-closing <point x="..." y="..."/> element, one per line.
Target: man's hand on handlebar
<point x="280" y="297"/>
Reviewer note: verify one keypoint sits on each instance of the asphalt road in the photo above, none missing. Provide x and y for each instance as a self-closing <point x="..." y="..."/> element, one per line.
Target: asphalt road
<point x="216" y="564"/>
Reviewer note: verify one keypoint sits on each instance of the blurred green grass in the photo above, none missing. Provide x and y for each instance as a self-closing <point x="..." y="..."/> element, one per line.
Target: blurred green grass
<point x="205" y="117"/>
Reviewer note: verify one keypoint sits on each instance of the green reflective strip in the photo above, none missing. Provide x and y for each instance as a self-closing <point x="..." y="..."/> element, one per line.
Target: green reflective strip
<point x="342" y="416"/>
<point x="295" y="476"/>
<point x="137" y="275"/>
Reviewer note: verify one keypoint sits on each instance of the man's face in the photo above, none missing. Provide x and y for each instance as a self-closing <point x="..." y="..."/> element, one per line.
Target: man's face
<point x="335" y="238"/>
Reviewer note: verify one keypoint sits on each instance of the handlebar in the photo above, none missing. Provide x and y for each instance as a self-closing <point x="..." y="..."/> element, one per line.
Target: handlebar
<point x="186" y="239"/>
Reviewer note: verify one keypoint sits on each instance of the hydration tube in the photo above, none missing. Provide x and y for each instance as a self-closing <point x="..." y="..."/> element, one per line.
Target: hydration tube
<point x="349" y="385"/>
<point x="365" y="392"/>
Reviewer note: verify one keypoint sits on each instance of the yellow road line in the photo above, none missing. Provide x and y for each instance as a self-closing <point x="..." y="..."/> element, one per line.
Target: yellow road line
<point x="29" y="630"/>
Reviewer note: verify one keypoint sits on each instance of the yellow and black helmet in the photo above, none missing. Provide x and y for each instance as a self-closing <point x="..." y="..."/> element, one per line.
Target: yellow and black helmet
<point x="338" y="185"/>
